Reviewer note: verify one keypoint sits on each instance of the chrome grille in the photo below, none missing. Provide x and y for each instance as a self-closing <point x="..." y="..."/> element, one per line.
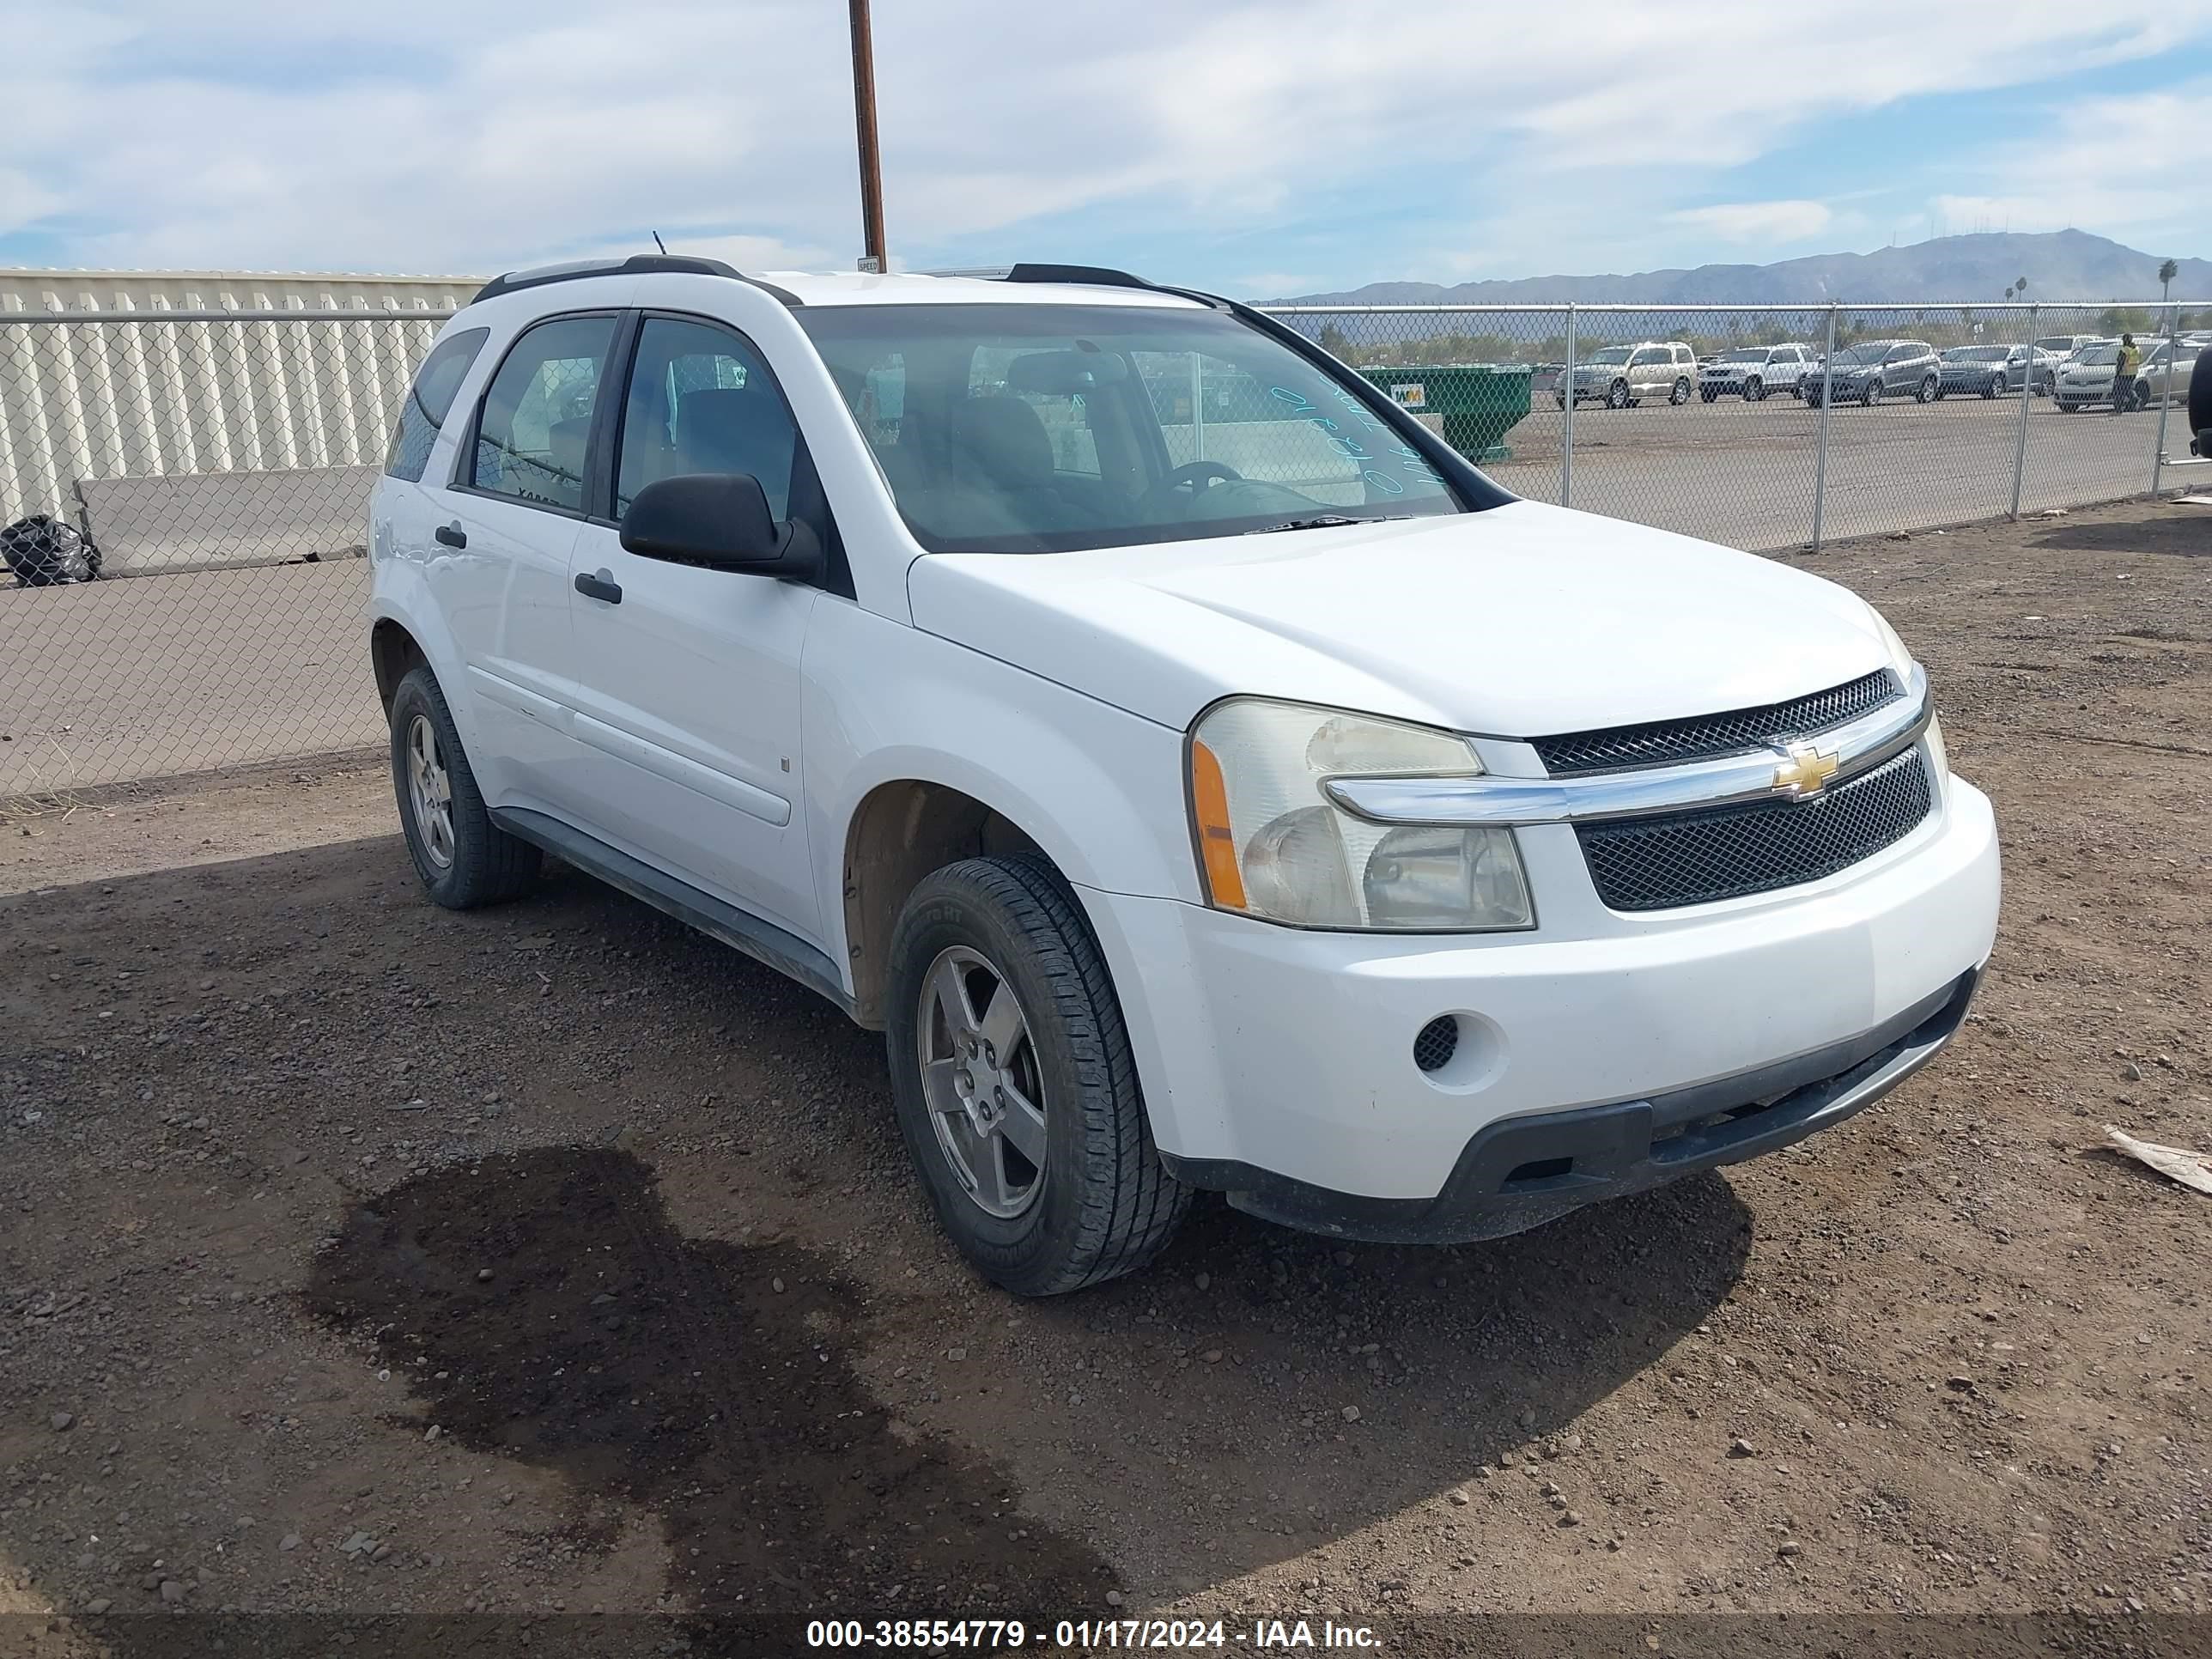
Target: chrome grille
<point x="1702" y="737"/>
<point x="1727" y="852"/>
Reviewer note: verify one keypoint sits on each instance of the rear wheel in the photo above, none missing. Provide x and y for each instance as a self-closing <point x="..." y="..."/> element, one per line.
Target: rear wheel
<point x="1016" y="1090"/>
<point x="1925" y="392"/>
<point x="2144" y="396"/>
<point x="463" y="858"/>
<point x="1755" y="391"/>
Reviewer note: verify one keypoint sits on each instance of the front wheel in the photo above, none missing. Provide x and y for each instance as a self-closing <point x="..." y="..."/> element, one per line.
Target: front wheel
<point x="1754" y="392"/>
<point x="1925" y="392"/>
<point x="463" y="858"/>
<point x="1015" y="1089"/>
<point x="2144" y="396"/>
<point x="1872" y="395"/>
<point x="1616" y="395"/>
<point x="1681" y="394"/>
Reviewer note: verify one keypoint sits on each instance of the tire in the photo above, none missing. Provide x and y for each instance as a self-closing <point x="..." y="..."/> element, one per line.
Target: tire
<point x="1754" y="392"/>
<point x="1680" y="395"/>
<point x="1100" y="1203"/>
<point x="1942" y="393"/>
<point x="466" y="861"/>
<point x="2067" y="406"/>
<point x="2145" y="399"/>
<point x="1616" y="396"/>
<point x="1871" y="395"/>
<point x="1925" y="392"/>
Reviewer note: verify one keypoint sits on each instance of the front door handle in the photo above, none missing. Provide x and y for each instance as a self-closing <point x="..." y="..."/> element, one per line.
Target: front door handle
<point x="603" y="586"/>
<point x="451" y="535"/>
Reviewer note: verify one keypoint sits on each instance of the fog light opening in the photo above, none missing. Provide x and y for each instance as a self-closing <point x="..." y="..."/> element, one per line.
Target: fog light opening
<point x="1437" y="1043"/>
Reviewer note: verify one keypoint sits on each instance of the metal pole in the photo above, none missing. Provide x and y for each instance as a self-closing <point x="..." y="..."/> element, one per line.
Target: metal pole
<point x="2165" y="401"/>
<point x="2026" y="390"/>
<point x="1567" y="433"/>
<point x="1827" y="400"/>
<point x="863" y="121"/>
<point x="1197" y="410"/>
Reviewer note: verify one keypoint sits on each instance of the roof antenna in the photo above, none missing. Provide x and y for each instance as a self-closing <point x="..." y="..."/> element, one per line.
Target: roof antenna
<point x="657" y="243"/>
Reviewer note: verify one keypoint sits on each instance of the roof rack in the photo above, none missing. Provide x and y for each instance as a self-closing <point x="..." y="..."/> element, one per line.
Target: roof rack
<point x="637" y="265"/>
<point x="1094" y="276"/>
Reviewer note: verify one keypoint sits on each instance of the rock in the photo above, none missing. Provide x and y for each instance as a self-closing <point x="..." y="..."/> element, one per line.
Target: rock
<point x="172" y="1592"/>
<point x="1961" y="1382"/>
<point x="1456" y="1497"/>
<point x="776" y="1284"/>
<point x="2132" y="1072"/>
<point x="1351" y="1413"/>
<point x="1113" y="1598"/>
<point x="1740" y="1447"/>
<point x="98" y="1605"/>
<point x="1203" y="1281"/>
<point x="1572" y="1518"/>
<point x="63" y="1421"/>
<point x="1789" y="1549"/>
<point x="290" y="1540"/>
<point x="1211" y="1356"/>
<point x="483" y="1275"/>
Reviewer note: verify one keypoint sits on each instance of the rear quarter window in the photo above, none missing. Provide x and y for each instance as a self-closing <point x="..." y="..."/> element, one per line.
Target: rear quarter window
<point x="429" y="400"/>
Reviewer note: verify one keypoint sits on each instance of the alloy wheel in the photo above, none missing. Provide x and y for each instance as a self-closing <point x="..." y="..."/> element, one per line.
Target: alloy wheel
<point x="430" y="792"/>
<point x="981" y="1078"/>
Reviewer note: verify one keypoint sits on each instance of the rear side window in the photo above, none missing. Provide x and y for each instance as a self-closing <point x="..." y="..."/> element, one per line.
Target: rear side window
<point x="429" y="402"/>
<point x="536" y="428"/>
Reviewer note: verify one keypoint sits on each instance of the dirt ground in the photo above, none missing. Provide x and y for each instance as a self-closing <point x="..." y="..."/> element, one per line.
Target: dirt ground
<point x="533" y="1272"/>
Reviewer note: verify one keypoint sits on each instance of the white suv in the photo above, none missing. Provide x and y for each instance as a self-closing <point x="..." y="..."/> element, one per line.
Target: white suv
<point x="1753" y="371"/>
<point x="1622" y="377"/>
<point x="1203" y="777"/>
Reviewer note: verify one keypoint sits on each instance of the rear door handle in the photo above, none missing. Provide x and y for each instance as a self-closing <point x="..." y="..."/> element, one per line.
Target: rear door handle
<point x="602" y="585"/>
<point x="451" y="535"/>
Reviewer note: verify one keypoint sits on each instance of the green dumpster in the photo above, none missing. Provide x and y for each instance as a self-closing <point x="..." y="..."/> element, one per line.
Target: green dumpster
<point x="1477" y="403"/>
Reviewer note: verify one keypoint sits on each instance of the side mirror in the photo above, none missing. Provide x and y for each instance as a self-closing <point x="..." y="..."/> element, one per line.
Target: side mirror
<point x="720" y="520"/>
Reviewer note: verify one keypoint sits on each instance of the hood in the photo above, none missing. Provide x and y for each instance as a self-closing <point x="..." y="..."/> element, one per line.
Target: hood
<point x="1521" y="621"/>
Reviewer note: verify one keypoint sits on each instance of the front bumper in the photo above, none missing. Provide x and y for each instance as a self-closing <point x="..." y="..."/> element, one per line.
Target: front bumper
<point x="1277" y="1065"/>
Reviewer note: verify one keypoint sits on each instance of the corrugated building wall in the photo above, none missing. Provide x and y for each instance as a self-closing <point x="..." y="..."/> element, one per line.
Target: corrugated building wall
<point x="191" y="372"/>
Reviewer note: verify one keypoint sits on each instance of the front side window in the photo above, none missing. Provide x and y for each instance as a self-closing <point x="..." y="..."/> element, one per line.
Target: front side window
<point x="701" y="400"/>
<point x="1039" y="429"/>
<point x="429" y="400"/>
<point x="536" y="427"/>
<point x="1754" y="354"/>
<point x="1610" y="357"/>
<point x="1647" y="356"/>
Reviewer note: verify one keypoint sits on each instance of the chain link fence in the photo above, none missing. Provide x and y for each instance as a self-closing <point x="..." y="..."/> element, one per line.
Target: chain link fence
<point x="219" y="462"/>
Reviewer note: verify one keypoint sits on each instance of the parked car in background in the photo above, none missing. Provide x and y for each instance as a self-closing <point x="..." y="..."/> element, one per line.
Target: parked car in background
<point x="1142" y="787"/>
<point x="1621" y="377"/>
<point x="2086" y="379"/>
<point x="1875" y="369"/>
<point x="2162" y="376"/>
<point x="1753" y="371"/>
<point x="2062" y="346"/>
<point x="1993" y="371"/>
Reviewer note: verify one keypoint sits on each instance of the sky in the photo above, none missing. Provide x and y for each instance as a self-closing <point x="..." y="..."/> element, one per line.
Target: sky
<point x="1258" y="149"/>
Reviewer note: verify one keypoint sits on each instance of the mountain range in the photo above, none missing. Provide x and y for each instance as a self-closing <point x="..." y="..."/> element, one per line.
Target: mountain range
<point x="2059" y="265"/>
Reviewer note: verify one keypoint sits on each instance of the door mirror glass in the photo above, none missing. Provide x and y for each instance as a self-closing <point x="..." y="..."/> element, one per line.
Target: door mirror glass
<point x="720" y="520"/>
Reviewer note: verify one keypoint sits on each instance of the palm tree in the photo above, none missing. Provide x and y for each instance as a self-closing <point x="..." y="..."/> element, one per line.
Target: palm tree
<point x="2008" y="294"/>
<point x="2166" y="273"/>
<point x="2020" y="286"/>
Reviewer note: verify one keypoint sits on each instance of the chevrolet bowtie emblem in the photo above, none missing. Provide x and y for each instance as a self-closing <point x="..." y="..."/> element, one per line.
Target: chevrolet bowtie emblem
<point x="1804" y="770"/>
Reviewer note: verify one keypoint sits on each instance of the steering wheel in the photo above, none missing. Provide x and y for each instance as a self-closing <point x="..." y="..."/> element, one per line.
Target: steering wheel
<point x="1195" y="476"/>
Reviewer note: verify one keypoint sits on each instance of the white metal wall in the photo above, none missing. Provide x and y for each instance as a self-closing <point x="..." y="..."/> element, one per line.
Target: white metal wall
<point x="255" y="373"/>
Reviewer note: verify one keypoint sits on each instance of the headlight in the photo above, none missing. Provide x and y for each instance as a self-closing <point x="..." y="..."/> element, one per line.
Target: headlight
<point x="1271" y="845"/>
<point x="1900" y="659"/>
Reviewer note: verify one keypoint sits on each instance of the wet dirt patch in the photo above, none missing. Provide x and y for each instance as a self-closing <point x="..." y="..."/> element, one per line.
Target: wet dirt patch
<point x="543" y="1308"/>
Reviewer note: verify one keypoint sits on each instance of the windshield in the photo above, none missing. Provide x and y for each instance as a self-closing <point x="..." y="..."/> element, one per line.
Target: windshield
<point x="1048" y="428"/>
<point x="2103" y="354"/>
<point x="1975" y="355"/>
<point x="1610" y="355"/>
<point x="1754" y="354"/>
<point x="1864" y="354"/>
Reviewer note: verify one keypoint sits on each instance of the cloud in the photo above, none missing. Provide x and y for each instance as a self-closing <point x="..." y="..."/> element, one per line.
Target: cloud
<point x="308" y="134"/>
<point x="2134" y="168"/>
<point x="1758" y="222"/>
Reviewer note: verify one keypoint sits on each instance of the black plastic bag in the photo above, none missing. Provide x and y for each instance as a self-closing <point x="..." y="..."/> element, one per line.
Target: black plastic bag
<point x="47" y="552"/>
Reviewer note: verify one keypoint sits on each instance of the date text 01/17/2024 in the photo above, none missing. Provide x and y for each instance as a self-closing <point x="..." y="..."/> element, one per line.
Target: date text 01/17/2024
<point x="996" y="1635"/>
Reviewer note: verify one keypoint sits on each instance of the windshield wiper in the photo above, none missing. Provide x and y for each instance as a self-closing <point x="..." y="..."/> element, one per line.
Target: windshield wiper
<point x="1326" y="521"/>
